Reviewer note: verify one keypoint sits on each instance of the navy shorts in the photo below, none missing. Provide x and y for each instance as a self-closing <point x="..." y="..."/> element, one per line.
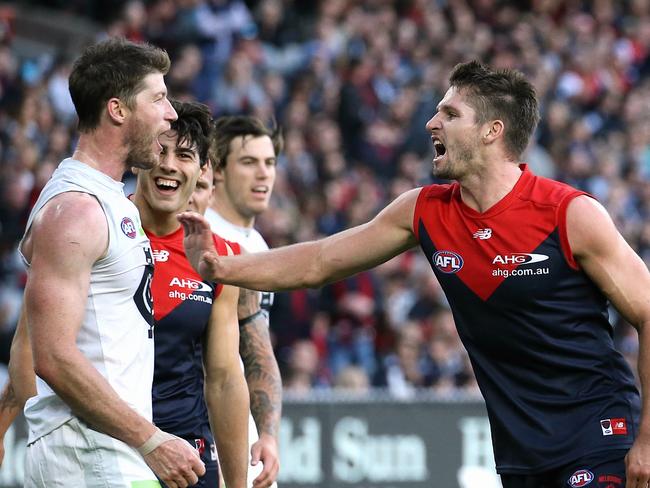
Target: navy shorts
<point x="208" y="452"/>
<point x="601" y="470"/>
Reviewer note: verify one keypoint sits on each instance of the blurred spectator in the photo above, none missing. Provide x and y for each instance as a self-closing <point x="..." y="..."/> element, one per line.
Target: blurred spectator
<point x="352" y="379"/>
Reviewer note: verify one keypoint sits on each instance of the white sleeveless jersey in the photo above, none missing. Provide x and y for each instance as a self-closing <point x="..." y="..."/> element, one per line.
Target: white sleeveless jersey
<point x="248" y="238"/>
<point x="252" y="241"/>
<point x="117" y="330"/>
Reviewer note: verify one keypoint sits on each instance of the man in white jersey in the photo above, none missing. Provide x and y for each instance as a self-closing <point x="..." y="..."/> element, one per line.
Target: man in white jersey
<point x="88" y="302"/>
<point x="244" y="155"/>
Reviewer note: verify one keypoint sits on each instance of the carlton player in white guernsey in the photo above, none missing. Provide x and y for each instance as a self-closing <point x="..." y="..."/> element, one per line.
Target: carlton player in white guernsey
<point x="244" y="157"/>
<point x="87" y="299"/>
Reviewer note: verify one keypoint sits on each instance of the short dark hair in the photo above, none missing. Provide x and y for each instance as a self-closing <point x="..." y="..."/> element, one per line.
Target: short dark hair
<point x="503" y="94"/>
<point x="111" y="68"/>
<point x="194" y="126"/>
<point x="229" y="127"/>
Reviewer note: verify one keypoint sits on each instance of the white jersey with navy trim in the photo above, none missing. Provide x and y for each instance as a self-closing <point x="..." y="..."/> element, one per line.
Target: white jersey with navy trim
<point x="247" y="237"/>
<point x="117" y="330"/>
<point x="252" y="241"/>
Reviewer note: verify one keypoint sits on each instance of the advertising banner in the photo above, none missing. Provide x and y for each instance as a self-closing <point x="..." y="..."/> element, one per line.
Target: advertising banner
<point x="334" y="443"/>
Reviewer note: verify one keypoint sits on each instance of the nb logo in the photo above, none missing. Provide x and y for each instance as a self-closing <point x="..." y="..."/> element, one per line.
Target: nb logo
<point x="482" y="234"/>
<point x="160" y="256"/>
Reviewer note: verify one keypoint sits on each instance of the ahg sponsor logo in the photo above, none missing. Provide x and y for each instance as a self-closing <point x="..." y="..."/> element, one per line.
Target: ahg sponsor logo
<point x="519" y="258"/>
<point x="189" y="283"/>
<point x="448" y="261"/>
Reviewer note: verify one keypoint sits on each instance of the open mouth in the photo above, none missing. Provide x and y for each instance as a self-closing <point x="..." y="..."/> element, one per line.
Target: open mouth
<point x="166" y="185"/>
<point x="260" y="189"/>
<point x="439" y="148"/>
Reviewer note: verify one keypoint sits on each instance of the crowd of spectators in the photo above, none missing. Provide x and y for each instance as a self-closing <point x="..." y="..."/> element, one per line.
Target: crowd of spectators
<point x="352" y="83"/>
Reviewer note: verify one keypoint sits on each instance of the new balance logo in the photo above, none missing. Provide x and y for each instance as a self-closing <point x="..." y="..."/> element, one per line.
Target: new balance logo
<point x="482" y="234"/>
<point x="160" y="256"/>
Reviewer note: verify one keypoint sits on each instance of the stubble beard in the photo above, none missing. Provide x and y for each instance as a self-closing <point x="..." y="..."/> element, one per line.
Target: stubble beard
<point x="458" y="166"/>
<point x="139" y="141"/>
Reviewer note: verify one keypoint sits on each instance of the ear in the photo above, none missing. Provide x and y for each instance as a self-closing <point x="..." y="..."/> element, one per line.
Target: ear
<point x="117" y="111"/>
<point x="135" y="170"/>
<point x="219" y="174"/>
<point x="204" y="169"/>
<point x="492" y="131"/>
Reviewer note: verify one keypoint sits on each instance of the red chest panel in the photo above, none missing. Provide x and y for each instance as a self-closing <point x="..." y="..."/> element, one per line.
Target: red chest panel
<point x="483" y="249"/>
<point x="174" y="279"/>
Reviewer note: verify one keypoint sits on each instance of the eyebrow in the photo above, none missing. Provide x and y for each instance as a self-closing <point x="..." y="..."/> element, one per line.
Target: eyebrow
<point x="445" y="107"/>
<point x="187" y="150"/>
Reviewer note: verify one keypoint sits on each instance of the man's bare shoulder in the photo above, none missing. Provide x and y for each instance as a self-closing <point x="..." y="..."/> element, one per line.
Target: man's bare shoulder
<point x="588" y="225"/>
<point x="401" y="210"/>
<point x="70" y="220"/>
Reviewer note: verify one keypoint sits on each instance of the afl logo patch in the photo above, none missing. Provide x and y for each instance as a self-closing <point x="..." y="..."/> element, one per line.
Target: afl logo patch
<point x="128" y="228"/>
<point x="580" y="478"/>
<point x="447" y="261"/>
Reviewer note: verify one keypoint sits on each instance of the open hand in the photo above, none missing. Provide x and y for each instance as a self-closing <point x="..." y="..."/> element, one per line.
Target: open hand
<point x="265" y="450"/>
<point x="199" y="245"/>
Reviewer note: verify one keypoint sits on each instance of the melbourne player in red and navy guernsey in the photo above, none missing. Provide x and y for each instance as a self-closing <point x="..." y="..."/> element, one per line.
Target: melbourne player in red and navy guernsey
<point x="535" y="326"/>
<point x="529" y="267"/>
<point x="199" y="391"/>
<point x="183" y="303"/>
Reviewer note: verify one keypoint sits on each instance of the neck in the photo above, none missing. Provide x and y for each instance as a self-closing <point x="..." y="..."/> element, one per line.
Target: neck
<point x="156" y="222"/>
<point x="102" y="154"/>
<point x="224" y="208"/>
<point x="481" y="191"/>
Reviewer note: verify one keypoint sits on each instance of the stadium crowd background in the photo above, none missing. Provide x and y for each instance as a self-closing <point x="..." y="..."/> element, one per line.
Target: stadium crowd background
<point x="353" y="83"/>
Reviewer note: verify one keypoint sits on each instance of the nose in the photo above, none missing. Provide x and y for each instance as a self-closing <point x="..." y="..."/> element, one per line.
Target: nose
<point x="170" y="113"/>
<point x="263" y="171"/>
<point x="432" y="123"/>
<point x="166" y="160"/>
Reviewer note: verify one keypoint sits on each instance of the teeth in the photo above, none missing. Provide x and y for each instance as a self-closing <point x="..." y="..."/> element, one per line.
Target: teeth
<point x="262" y="189"/>
<point x="166" y="183"/>
<point x="439" y="147"/>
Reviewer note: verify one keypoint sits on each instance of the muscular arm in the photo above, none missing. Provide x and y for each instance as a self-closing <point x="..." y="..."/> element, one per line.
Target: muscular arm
<point x="309" y="264"/>
<point x="66" y="239"/>
<point x="225" y="388"/>
<point x="264" y="382"/>
<point x="68" y="236"/>
<point x="623" y="277"/>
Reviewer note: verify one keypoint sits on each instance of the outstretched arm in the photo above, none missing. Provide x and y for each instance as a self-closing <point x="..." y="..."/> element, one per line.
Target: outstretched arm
<point x="309" y="264"/>
<point x="264" y="384"/>
<point x="623" y="277"/>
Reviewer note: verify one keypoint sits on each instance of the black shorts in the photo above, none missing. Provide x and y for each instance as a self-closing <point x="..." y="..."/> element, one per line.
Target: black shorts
<point x="601" y="470"/>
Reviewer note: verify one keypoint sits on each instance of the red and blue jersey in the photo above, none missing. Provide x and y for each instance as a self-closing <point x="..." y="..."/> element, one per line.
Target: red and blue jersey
<point x="535" y="326"/>
<point x="182" y="307"/>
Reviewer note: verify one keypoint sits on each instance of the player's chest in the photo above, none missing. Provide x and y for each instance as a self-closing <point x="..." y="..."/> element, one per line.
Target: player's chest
<point x="177" y="289"/>
<point x="523" y="257"/>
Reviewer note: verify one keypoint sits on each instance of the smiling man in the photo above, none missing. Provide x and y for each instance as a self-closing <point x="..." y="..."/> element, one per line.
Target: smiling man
<point x="198" y="388"/>
<point x="529" y="266"/>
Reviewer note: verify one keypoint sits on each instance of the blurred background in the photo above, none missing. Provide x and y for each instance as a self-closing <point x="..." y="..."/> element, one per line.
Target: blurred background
<point x="352" y="83"/>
